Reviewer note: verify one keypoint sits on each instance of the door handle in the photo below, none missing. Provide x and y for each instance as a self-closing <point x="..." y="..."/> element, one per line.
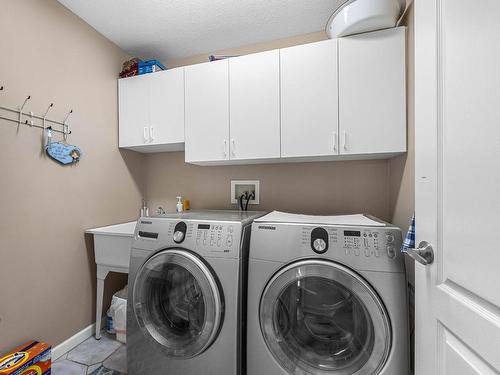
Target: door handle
<point x="146" y="134"/>
<point x="344" y="143"/>
<point x="335" y="141"/>
<point x="424" y="254"/>
<point x="151" y="134"/>
<point x="224" y="146"/>
<point x="233" y="147"/>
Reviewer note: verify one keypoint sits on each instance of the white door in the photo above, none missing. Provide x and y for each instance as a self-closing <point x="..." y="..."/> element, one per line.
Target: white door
<point x="167" y="107"/>
<point x="457" y="186"/>
<point x="309" y="100"/>
<point x="207" y="111"/>
<point x="372" y="93"/>
<point x="254" y="95"/>
<point x="133" y="96"/>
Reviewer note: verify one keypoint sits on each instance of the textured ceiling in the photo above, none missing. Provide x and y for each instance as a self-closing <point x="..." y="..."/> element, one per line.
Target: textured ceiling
<point x="173" y="29"/>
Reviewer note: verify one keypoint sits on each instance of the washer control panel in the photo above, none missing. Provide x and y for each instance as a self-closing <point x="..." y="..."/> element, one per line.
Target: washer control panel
<point x="216" y="237"/>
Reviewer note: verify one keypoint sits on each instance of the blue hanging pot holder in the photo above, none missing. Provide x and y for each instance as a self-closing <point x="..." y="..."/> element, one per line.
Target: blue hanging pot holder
<point x="64" y="153"/>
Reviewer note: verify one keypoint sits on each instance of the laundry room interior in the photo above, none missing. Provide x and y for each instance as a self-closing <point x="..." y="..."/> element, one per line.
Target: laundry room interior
<point x="230" y="188"/>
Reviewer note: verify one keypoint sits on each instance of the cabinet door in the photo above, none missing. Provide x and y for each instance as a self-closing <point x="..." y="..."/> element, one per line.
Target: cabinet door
<point x="254" y="106"/>
<point x="309" y="100"/>
<point x="207" y="112"/>
<point x="167" y="107"/>
<point x="372" y="93"/>
<point x="133" y="96"/>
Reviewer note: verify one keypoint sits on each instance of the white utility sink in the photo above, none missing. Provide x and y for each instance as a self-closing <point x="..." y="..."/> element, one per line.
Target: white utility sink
<point x="112" y="246"/>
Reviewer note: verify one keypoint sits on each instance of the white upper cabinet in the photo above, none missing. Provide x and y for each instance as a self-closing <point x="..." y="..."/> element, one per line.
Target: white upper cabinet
<point x="151" y="109"/>
<point x="372" y="93"/>
<point x="309" y="100"/>
<point x="254" y="94"/>
<point x="167" y="107"/>
<point x="133" y="96"/>
<point x="207" y="111"/>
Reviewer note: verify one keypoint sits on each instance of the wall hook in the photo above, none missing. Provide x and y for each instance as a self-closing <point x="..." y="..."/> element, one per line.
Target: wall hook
<point x="1" y="88"/>
<point x="21" y="110"/>
<point x="66" y="129"/>
<point x="45" y="115"/>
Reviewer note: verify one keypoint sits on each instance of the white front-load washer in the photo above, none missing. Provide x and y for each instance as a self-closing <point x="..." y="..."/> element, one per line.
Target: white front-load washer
<point x="326" y="299"/>
<point x="186" y="299"/>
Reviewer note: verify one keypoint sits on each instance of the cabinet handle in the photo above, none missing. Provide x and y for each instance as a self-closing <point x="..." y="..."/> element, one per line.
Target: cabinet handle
<point x="151" y="133"/>
<point x="233" y="148"/>
<point x="345" y="141"/>
<point x="224" y="148"/>
<point x="335" y="141"/>
<point x="146" y="134"/>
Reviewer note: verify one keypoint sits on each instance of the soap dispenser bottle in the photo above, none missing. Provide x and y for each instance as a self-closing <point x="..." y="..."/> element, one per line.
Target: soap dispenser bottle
<point x="179" y="207"/>
<point x="144" y="209"/>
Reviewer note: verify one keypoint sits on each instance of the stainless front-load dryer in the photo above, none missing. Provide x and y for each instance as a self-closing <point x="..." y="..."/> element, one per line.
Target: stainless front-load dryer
<point x="326" y="300"/>
<point x="186" y="294"/>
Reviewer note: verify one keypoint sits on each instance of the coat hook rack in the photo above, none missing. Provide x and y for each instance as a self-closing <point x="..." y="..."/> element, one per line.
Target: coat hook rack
<point x="46" y="123"/>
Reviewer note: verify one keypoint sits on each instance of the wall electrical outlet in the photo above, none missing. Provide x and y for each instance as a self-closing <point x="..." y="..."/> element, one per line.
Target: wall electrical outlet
<point x="239" y="187"/>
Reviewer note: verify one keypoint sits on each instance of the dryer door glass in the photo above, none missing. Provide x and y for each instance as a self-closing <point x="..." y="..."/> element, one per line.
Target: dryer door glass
<point x="318" y="317"/>
<point x="177" y="303"/>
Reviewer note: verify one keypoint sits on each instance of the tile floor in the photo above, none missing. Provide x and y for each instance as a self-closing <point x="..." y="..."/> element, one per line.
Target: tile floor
<point x="95" y="357"/>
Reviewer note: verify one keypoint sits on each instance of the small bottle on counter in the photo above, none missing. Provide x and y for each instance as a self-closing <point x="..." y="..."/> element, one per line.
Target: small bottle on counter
<point x="144" y="209"/>
<point x="179" y="207"/>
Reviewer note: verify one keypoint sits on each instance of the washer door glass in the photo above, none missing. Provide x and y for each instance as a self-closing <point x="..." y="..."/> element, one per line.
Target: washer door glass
<point x="318" y="317"/>
<point x="177" y="303"/>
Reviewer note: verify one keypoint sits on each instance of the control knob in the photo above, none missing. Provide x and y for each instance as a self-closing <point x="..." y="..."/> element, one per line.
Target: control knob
<point x="319" y="240"/>
<point x="180" y="232"/>
<point x="319" y="245"/>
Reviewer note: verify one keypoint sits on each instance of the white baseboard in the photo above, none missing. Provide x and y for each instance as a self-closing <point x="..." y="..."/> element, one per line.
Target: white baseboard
<point x="75" y="340"/>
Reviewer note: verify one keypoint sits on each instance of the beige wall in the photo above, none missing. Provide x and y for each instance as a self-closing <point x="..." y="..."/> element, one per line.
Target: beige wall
<point x="47" y="270"/>
<point x="402" y="168"/>
<point x="315" y="188"/>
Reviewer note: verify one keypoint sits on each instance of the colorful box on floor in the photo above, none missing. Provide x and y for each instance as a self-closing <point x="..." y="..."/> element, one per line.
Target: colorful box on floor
<point x="32" y="358"/>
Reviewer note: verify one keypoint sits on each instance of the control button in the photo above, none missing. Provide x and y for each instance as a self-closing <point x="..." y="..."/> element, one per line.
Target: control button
<point x="212" y="242"/>
<point x="390" y="238"/>
<point x="347" y="251"/>
<point x="391" y="252"/>
<point x="356" y="252"/>
<point x="377" y="254"/>
<point x="319" y="245"/>
<point x="229" y="240"/>
<point x="205" y="242"/>
<point x="219" y="242"/>
<point x="367" y="253"/>
<point x="375" y="235"/>
<point x="366" y="242"/>
<point x="230" y="229"/>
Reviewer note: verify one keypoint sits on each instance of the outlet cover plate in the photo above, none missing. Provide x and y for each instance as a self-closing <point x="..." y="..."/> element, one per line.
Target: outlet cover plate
<point x="240" y="186"/>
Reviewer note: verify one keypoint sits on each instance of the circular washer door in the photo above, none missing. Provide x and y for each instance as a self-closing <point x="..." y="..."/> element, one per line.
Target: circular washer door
<point x="178" y="303"/>
<point x="318" y="317"/>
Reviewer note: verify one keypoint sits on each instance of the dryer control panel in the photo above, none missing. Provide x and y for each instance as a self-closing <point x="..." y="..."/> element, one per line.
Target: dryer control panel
<point x="364" y="242"/>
